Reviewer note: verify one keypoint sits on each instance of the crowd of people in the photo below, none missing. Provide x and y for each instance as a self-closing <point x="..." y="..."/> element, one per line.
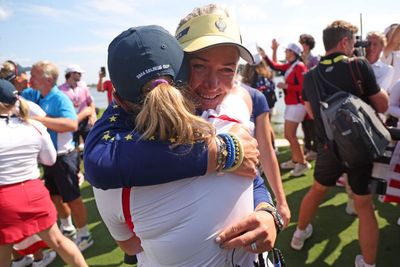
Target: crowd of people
<point x="177" y="158"/>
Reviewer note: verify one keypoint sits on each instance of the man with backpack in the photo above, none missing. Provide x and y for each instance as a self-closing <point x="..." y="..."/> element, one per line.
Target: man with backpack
<point x="336" y="71"/>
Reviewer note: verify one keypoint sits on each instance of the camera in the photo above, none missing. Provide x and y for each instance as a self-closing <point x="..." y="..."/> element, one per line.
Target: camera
<point x="359" y="46"/>
<point x="377" y="186"/>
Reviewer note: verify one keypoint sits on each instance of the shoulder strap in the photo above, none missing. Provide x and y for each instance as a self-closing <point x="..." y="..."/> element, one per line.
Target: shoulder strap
<point x="357" y="77"/>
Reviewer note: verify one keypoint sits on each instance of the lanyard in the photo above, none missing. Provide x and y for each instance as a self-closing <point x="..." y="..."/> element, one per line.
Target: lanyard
<point x="334" y="60"/>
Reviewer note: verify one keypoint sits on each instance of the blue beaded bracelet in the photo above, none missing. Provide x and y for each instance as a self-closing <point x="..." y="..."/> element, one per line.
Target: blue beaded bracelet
<point x="230" y="147"/>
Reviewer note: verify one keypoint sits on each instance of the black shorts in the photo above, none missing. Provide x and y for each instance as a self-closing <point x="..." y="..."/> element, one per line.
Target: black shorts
<point x="328" y="170"/>
<point x="61" y="178"/>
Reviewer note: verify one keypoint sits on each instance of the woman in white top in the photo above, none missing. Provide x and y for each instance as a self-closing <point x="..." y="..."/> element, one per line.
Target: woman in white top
<point x="25" y="200"/>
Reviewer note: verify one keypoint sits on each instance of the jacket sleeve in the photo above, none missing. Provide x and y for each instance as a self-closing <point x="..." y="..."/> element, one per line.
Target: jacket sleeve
<point x="260" y="191"/>
<point x="275" y="65"/>
<point x="115" y="157"/>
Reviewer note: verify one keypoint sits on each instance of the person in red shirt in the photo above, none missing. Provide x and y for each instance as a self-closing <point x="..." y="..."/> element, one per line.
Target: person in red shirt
<point x="295" y="111"/>
<point x="105" y="86"/>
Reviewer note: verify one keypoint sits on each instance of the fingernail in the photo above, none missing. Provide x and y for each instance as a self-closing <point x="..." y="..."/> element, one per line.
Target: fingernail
<point x="218" y="239"/>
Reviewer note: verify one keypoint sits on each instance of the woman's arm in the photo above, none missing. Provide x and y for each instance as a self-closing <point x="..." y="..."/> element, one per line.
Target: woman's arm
<point x="270" y="165"/>
<point x="114" y="157"/>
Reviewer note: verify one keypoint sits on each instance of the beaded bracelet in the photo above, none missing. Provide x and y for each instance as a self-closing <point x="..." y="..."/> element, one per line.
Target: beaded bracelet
<point x="239" y="154"/>
<point x="230" y="147"/>
<point x="221" y="153"/>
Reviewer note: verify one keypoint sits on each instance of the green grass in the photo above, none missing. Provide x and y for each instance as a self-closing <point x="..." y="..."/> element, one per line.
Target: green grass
<point x="333" y="243"/>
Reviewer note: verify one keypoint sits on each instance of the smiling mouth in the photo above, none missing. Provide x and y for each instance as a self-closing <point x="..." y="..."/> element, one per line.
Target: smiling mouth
<point x="208" y="97"/>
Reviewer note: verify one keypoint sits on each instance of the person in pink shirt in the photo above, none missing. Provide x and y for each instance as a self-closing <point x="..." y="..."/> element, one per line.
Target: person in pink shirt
<point x="78" y="92"/>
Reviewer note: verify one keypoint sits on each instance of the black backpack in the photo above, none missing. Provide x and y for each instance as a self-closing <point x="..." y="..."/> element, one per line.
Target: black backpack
<point x="355" y="133"/>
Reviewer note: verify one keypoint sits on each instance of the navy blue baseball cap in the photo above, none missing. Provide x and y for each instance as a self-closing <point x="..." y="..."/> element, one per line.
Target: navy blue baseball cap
<point x="141" y="54"/>
<point x="8" y="93"/>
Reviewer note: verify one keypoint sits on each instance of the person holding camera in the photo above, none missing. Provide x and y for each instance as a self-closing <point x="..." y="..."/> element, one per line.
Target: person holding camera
<point x="105" y="85"/>
<point x="339" y="39"/>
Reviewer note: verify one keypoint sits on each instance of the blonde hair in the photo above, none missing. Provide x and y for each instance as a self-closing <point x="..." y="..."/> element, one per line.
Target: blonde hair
<point x="20" y="108"/>
<point x="379" y="35"/>
<point x="49" y="70"/>
<point x="205" y="10"/>
<point x="168" y="115"/>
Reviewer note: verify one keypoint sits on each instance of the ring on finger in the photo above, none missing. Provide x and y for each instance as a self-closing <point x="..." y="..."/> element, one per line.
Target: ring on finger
<point x="253" y="246"/>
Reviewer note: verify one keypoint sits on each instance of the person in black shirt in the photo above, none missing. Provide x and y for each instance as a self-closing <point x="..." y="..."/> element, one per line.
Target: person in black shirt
<point x="339" y="38"/>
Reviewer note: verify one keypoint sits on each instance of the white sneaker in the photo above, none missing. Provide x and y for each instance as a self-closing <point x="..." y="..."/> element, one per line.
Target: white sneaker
<point x="48" y="257"/>
<point x="299" y="237"/>
<point x="25" y="261"/>
<point x="288" y="165"/>
<point x="350" y="210"/>
<point x="359" y="262"/>
<point x="398" y="221"/>
<point x="84" y="242"/>
<point x="70" y="233"/>
<point x="300" y="169"/>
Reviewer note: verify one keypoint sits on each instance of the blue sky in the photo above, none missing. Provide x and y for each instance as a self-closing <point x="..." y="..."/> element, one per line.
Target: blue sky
<point x="79" y="31"/>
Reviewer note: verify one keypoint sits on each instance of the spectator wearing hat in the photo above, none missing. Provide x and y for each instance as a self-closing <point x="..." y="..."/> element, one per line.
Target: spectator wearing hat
<point x="79" y="93"/>
<point x="295" y="111"/>
<point x="61" y="178"/>
<point x="23" y="143"/>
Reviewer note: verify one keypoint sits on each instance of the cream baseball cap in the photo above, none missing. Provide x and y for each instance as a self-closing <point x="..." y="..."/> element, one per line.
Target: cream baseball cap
<point x="211" y="30"/>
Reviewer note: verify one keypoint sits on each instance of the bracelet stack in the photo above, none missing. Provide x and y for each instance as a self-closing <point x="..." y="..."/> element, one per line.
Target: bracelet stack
<point x="229" y="152"/>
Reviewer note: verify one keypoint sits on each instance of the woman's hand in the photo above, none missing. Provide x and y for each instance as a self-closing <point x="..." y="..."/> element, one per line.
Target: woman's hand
<point x="250" y="151"/>
<point x="274" y="44"/>
<point x="258" y="228"/>
<point x="282" y="85"/>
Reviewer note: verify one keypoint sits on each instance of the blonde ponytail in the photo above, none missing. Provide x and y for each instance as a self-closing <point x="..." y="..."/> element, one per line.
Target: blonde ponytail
<point x="168" y="116"/>
<point x="23" y="109"/>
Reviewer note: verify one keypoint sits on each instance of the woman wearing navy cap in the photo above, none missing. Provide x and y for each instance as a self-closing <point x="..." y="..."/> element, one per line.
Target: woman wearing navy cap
<point x="25" y="200"/>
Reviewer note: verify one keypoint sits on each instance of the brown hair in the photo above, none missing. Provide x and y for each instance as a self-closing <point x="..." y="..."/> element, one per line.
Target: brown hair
<point x="308" y="40"/>
<point x="336" y="31"/>
<point x="250" y="72"/>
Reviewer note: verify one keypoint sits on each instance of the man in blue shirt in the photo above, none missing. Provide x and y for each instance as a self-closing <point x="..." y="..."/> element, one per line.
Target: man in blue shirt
<point x="61" y="178"/>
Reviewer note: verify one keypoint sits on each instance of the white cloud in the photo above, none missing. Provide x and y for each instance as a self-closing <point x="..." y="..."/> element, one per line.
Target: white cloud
<point x="4" y="13"/>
